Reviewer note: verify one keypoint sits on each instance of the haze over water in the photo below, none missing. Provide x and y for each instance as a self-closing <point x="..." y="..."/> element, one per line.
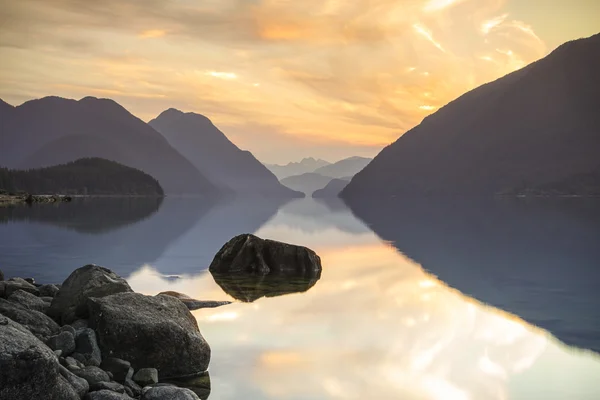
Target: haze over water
<point x="376" y="324"/>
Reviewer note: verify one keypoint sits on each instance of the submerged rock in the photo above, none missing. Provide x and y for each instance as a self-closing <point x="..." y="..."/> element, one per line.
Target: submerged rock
<point x="28" y="368"/>
<point x="69" y="304"/>
<point x="38" y="323"/>
<point x="150" y="331"/>
<point x="249" y="253"/>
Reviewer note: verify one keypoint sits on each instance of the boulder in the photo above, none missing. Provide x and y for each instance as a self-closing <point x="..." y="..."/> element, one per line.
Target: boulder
<point x="38" y="323"/>
<point x="64" y="342"/>
<point x="193" y="304"/>
<point x="48" y="290"/>
<point x="80" y="385"/>
<point x="92" y="375"/>
<point x="28" y="300"/>
<point x="119" y="368"/>
<point x="146" y="376"/>
<point x="86" y="348"/>
<point x="14" y="284"/>
<point x="106" y="395"/>
<point x="157" y="331"/>
<point x="28" y="368"/>
<point x="69" y="304"/>
<point x="168" y="392"/>
<point x="249" y="253"/>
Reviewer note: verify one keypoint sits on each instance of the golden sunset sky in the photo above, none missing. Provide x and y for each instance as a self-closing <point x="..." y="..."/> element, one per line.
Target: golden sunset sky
<point x="284" y="79"/>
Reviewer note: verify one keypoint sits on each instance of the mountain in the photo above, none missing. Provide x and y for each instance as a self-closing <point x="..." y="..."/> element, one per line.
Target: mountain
<point x="332" y="189"/>
<point x="86" y="176"/>
<point x="306" y="183"/>
<point x="53" y="130"/>
<point x="201" y="142"/>
<point x="536" y="127"/>
<point x="344" y="168"/>
<point x="296" y="168"/>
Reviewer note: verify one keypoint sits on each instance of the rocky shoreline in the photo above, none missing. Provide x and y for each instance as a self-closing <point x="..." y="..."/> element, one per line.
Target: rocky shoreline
<point x="92" y="337"/>
<point x="25" y="198"/>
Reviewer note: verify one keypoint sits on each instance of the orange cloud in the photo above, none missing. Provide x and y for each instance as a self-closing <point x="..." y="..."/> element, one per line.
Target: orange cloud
<point x="152" y="33"/>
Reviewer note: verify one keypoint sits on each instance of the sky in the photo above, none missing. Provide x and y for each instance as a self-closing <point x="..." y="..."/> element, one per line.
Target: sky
<point x="284" y="79"/>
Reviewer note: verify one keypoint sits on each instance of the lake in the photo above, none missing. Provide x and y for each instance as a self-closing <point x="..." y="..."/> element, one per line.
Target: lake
<point x="418" y="299"/>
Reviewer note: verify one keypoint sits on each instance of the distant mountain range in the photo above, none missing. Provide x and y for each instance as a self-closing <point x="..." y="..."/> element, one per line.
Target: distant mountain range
<point x="201" y="142"/>
<point x="309" y="182"/>
<point x="86" y="176"/>
<point x="536" y="130"/>
<point x="308" y="164"/>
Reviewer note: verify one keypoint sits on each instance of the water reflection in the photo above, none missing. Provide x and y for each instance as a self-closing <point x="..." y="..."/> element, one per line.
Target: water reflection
<point x="537" y="259"/>
<point x="249" y="287"/>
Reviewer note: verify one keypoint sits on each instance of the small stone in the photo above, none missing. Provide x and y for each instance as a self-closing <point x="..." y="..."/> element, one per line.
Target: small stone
<point x="69" y="328"/>
<point x="92" y="375"/>
<point x="28" y="300"/>
<point x="106" y="395"/>
<point x="146" y="376"/>
<point x="58" y="353"/>
<point x="134" y="387"/>
<point x="63" y="341"/>
<point x="48" y="290"/>
<point x="80" y="385"/>
<point x="119" y="368"/>
<point x="112" y="386"/>
<point x="168" y="392"/>
<point x="86" y="348"/>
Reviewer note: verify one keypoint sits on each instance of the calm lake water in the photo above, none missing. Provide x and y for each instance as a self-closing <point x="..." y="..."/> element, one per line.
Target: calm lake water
<point x="399" y="311"/>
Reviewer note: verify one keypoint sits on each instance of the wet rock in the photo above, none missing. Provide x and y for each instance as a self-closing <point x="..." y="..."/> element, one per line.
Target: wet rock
<point x="86" y="348"/>
<point x="64" y="342"/>
<point x="38" y="323"/>
<point x="112" y="386"/>
<point x="80" y="385"/>
<point x="146" y="376"/>
<point x="28" y="368"/>
<point x="28" y="300"/>
<point x="168" y="392"/>
<point x="249" y="253"/>
<point x="14" y="284"/>
<point x="119" y="368"/>
<point x="106" y="395"/>
<point x="193" y="304"/>
<point x="89" y="281"/>
<point x="92" y="375"/>
<point x="48" y="290"/>
<point x="157" y="331"/>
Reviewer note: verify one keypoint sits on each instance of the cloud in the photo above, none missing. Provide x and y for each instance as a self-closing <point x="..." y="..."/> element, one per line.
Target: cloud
<point x="152" y="33"/>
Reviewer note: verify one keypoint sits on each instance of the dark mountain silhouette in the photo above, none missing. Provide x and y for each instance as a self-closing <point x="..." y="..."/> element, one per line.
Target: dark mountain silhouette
<point x="532" y="130"/>
<point x="201" y="142"/>
<point x="347" y="167"/>
<point x="53" y="130"/>
<point x="308" y="164"/>
<point x="536" y="258"/>
<point x="332" y="189"/>
<point x="86" y="176"/>
<point x="306" y="183"/>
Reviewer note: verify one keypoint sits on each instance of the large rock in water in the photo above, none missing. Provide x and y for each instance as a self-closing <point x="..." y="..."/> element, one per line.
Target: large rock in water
<point x="28" y="368"/>
<point x="249" y="253"/>
<point x="69" y="304"/>
<point x="149" y="331"/>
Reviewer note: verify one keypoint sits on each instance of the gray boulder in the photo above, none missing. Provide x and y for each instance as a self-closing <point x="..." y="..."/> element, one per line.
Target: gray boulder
<point x="38" y="323"/>
<point x="146" y="376"/>
<point x="48" y="290"/>
<point x="80" y="385"/>
<point x="64" y="342"/>
<point x="107" y="395"/>
<point x="119" y="368"/>
<point x="249" y="253"/>
<point x="168" y="392"/>
<point x="86" y="348"/>
<point x="69" y="304"/>
<point x="92" y="375"/>
<point x="14" y="284"/>
<point x="28" y="300"/>
<point x="28" y="368"/>
<point x="157" y="331"/>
